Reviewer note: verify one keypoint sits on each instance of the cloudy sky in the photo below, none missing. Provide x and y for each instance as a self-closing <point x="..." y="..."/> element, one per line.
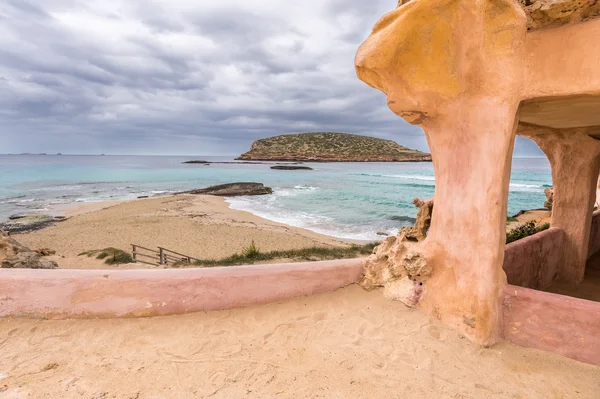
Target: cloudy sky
<point x="200" y="77"/>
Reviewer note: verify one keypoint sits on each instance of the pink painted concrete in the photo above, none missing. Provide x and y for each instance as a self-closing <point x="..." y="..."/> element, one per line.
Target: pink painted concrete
<point x="555" y="323"/>
<point x="562" y="61"/>
<point x="534" y="261"/>
<point x="575" y="160"/>
<point x="58" y="294"/>
<point x="594" y="245"/>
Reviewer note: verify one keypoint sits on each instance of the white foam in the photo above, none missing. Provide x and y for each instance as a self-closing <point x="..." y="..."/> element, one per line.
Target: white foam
<point x="317" y="223"/>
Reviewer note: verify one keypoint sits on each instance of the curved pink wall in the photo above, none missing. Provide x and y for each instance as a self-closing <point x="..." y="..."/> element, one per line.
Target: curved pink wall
<point x="533" y="261"/>
<point x="56" y="294"/>
<point x="555" y="323"/>
<point x="594" y="235"/>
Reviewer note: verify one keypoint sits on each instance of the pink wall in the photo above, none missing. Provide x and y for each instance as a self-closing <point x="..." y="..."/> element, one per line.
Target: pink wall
<point x="594" y="235"/>
<point x="533" y="261"/>
<point x="57" y="294"/>
<point x="555" y="323"/>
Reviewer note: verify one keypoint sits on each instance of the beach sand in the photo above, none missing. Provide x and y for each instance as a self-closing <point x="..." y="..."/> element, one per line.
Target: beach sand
<point x="203" y="227"/>
<point x="539" y="216"/>
<point x="345" y="344"/>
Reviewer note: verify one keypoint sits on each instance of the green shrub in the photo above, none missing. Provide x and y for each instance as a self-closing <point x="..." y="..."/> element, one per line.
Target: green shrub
<point x="251" y="252"/>
<point x="111" y="256"/>
<point x="525" y="230"/>
<point x="304" y="254"/>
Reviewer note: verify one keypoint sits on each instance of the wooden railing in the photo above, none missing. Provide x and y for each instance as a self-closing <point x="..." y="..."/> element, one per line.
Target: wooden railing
<point x="161" y="257"/>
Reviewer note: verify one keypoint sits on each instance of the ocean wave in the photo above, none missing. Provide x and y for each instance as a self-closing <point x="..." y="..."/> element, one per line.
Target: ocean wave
<point x="407" y="177"/>
<point x="314" y="222"/>
<point x="310" y="188"/>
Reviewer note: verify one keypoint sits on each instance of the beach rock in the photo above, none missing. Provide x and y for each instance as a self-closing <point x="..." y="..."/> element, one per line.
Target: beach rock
<point x="543" y="14"/>
<point x="423" y="222"/>
<point x="398" y="263"/>
<point x="27" y="223"/>
<point x="196" y="161"/>
<point x="549" y="198"/>
<point x="45" y="251"/>
<point x="286" y="167"/>
<point x="233" y="190"/>
<point x="15" y="255"/>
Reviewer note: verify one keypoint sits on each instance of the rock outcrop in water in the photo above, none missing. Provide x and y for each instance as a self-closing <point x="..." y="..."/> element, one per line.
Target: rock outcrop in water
<point x="16" y="256"/>
<point x="233" y="190"/>
<point x="285" y="167"/>
<point x="331" y="147"/>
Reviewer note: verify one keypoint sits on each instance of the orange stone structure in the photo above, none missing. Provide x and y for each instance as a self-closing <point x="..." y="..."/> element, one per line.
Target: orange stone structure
<point x="474" y="74"/>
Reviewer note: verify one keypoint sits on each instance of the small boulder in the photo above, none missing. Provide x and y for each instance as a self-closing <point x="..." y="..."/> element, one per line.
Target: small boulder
<point x="14" y="255"/>
<point x="45" y="251"/>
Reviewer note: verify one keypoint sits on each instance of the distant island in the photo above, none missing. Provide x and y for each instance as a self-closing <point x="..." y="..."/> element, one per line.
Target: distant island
<point x="331" y="147"/>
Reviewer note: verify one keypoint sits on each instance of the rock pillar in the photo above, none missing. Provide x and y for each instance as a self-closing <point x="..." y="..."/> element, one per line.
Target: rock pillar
<point x="454" y="68"/>
<point x="575" y="160"/>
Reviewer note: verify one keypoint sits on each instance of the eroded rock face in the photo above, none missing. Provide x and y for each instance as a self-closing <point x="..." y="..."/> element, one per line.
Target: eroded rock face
<point x="398" y="265"/>
<point x="15" y="255"/>
<point x="553" y="13"/>
<point x="543" y="14"/>
<point x="549" y="198"/>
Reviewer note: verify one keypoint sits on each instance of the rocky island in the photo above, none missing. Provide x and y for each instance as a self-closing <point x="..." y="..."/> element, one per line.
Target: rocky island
<point x="331" y="147"/>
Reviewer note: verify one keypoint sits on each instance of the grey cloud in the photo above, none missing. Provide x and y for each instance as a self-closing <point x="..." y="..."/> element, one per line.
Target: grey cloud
<point x="184" y="77"/>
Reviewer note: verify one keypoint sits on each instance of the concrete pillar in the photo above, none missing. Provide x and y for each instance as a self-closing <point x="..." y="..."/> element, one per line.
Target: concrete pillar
<point x="455" y="69"/>
<point x="575" y="160"/>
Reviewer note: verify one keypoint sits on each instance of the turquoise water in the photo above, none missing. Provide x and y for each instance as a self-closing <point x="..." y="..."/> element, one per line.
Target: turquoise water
<point x="346" y="200"/>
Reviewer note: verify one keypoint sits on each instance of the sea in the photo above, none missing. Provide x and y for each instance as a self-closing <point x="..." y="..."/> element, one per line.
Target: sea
<point x="354" y="201"/>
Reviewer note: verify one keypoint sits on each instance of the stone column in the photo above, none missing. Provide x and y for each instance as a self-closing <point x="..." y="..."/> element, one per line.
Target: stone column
<point x="472" y="152"/>
<point x="575" y="160"/>
<point x="455" y="69"/>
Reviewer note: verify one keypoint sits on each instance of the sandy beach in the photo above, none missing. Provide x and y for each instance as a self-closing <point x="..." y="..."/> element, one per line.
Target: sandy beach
<point x="345" y="344"/>
<point x="203" y="227"/>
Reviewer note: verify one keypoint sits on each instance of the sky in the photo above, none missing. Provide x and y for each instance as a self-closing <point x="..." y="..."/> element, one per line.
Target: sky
<point x="179" y="77"/>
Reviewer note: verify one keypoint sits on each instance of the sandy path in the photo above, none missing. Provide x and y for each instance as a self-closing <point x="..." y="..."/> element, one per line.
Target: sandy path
<point x="345" y="344"/>
<point x="199" y="226"/>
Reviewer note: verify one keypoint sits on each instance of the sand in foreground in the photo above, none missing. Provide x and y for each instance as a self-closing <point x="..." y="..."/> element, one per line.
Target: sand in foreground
<point x="345" y="344"/>
<point x="199" y="226"/>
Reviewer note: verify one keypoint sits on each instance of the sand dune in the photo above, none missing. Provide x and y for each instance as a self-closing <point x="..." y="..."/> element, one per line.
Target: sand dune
<point x="345" y="344"/>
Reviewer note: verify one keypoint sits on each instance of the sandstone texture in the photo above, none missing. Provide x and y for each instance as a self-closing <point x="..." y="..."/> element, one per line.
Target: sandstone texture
<point x="552" y="13"/>
<point x="233" y="190"/>
<point x="14" y="255"/>
<point x="549" y="192"/>
<point x="331" y="147"/>
<point x="397" y="265"/>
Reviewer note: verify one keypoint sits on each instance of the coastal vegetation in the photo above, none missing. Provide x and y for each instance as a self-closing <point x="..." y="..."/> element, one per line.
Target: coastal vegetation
<point x="252" y="254"/>
<point x="330" y="147"/>
<point x="111" y="256"/>
<point x="525" y="230"/>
